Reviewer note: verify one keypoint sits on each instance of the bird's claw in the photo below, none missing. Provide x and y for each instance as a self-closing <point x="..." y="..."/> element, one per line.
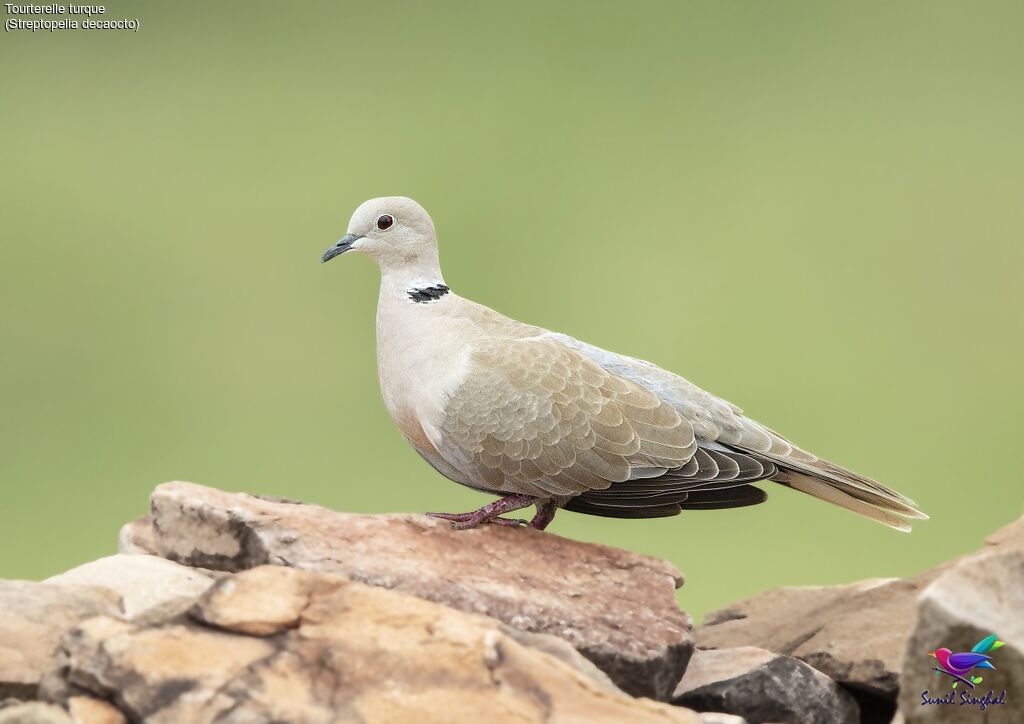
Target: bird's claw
<point x="510" y="522"/>
<point x="454" y="517"/>
<point x="490" y="513"/>
<point x="462" y="521"/>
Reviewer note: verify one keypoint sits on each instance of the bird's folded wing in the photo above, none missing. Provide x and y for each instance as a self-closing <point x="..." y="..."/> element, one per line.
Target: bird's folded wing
<point x="716" y="420"/>
<point x="533" y="416"/>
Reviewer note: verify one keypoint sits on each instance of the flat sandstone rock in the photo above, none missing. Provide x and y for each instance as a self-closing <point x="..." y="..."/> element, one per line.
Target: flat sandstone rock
<point x="33" y="618"/>
<point x="334" y="650"/>
<point x="979" y="595"/>
<point x="833" y="628"/>
<point x="33" y="712"/>
<point x="856" y="634"/>
<point x="151" y="588"/>
<point x="617" y="608"/>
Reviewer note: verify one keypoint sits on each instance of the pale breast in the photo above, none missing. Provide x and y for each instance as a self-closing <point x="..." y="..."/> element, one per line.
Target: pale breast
<point x="420" y="358"/>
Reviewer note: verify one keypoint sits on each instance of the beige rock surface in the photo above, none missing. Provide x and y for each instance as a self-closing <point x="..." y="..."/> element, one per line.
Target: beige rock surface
<point x="138" y="637"/>
<point x="268" y="600"/>
<point x="88" y="710"/>
<point x="855" y="634"/>
<point x="33" y="618"/>
<point x="350" y="652"/>
<point x="617" y="608"/>
<point x="977" y="596"/>
<point x="716" y="717"/>
<point x="1009" y="536"/>
<point x="151" y="588"/>
<point x="263" y="602"/>
<point x="835" y="629"/>
<point x="137" y="537"/>
<point x="713" y="665"/>
<point x="33" y="712"/>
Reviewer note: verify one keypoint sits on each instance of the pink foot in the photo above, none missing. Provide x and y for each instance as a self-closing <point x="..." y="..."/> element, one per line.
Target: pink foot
<point x="465" y="520"/>
<point x="545" y="514"/>
<point x="490" y="513"/>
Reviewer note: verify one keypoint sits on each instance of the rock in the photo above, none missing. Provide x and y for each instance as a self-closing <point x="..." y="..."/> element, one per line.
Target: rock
<point x="617" y="608"/>
<point x="1007" y="537"/>
<point x="350" y="652"/>
<point x="564" y="652"/>
<point x="763" y="687"/>
<point x="855" y="634"/>
<point x="34" y="712"/>
<point x="151" y="588"/>
<point x="715" y="717"/>
<point x="263" y="602"/>
<point x="835" y="629"/>
<point x="87" y="710"/>
<point x="148" y="669"/>
<point x="136" y="538"/>
<point x="268" y="600"/>
<point x="33" y="618"/>
<point x="979" y="596"/>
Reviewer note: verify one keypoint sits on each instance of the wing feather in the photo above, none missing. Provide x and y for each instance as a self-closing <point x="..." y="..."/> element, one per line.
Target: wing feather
<point x="535" y="417"/>
<point x="720" y="426"/>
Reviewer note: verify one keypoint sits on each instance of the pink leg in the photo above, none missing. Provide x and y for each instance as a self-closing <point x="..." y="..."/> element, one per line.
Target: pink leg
<point x="490" y="513"/>
<point x="546" y="510"/>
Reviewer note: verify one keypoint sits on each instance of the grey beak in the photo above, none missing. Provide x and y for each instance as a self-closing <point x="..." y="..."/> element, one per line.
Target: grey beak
<point x="344" y="244"/>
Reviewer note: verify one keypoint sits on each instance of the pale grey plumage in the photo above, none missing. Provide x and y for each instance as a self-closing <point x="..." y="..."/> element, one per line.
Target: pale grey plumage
<point x="516" y="410"/>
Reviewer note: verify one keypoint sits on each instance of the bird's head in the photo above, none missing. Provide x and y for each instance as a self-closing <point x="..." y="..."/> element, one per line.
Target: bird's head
<point x="395" y="231"/>
<point x="941" y="654"/>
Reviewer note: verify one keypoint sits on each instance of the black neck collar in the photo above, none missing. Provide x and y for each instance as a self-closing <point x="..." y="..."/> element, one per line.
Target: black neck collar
<point x="427" y="294"/>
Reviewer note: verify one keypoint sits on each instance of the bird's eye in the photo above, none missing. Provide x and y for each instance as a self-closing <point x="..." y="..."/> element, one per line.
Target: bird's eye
<point x="384" y="222"/>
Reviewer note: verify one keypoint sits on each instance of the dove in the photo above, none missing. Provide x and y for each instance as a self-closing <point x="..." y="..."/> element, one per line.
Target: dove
<point x="539" y="418"/>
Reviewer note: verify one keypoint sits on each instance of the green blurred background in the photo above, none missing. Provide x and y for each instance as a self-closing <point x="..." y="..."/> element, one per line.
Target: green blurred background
<point x="812" y="209"/>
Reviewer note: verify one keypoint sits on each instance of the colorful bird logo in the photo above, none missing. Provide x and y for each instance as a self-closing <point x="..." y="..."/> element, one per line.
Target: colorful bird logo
<point x="960" y="666"/>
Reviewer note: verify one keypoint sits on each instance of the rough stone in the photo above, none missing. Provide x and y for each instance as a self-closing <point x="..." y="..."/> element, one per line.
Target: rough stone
<point x="617" y="608"/>
<point x="835" y="629"/>
<point x="1007" y="537"/>
<point x="151" y="588"/>
<point x="33" y="618"/>
<point x="564" y="652"/>
<point x="33" y="712"/>
<point x="351" y="653"/>
<point x="263" y="602"/>
<point x="136" y="538"/>
<point x="979" y="596"/>
<point x="268" y="600"/>
<point x="761" y="686"/>
<point x="88" y="710"/>
<point x="716" y="717"/>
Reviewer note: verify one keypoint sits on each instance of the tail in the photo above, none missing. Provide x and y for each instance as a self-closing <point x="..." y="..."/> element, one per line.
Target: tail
<point x="849" y="490"/>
